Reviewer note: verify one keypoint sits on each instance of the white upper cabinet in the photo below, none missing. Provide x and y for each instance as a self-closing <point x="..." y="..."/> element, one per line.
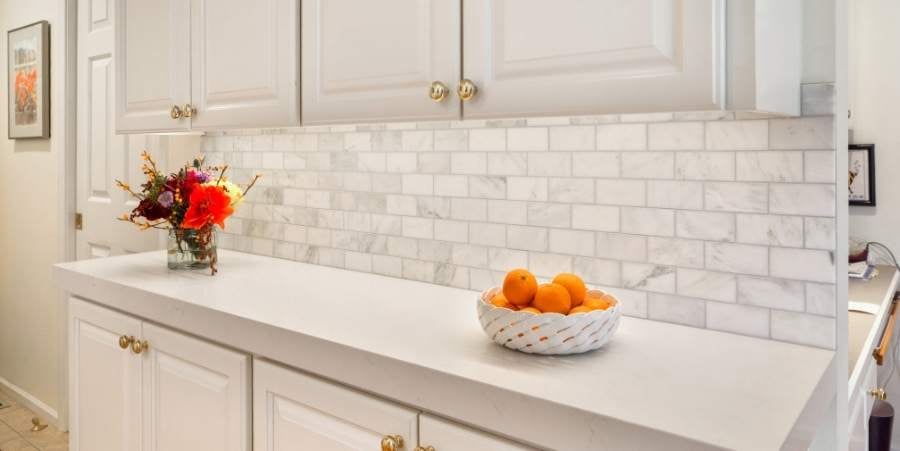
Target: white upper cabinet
<point x="152" y="64"/>
<point x="534" y="57"/>
<point x="244" y="63"/>
<point x="376" y="61"/>
<point x="207" y="64"/>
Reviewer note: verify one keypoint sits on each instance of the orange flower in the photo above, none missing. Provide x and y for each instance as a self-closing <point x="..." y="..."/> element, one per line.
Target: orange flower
<point x="209" y="204"/>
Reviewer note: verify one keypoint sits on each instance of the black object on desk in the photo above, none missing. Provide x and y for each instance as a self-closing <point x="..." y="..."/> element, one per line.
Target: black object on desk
<point x="881" y="421"/>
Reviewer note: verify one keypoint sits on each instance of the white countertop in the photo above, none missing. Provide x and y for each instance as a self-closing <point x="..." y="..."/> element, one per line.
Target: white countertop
<point x="655" y="385"/>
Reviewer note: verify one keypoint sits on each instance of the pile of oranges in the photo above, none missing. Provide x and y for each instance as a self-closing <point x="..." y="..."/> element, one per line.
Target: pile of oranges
<point x="566" y="294"/>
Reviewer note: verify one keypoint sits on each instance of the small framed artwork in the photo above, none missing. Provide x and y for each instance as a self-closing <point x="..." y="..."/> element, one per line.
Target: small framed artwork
<point x="862" y="174"/>
<point x="29" y="81"/>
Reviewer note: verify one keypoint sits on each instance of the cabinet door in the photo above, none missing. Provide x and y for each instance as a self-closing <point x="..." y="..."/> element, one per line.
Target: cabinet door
<point x="375" y="61"/>
<point x="152" y="64"/>
<point x="534" y="57"/>
<point x="196" y="394"/>
<point x="293" y="411"/>
<point x="444" y="435"/>
<point x="244" y="61"/>
<point x="104" y="380"/>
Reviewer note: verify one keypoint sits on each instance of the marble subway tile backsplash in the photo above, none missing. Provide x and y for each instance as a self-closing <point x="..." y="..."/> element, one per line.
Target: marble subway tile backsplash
<point x="705" y="219"/>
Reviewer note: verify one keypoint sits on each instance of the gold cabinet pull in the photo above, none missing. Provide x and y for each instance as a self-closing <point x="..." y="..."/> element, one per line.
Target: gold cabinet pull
<point x="437" y="91"/>
<point x="466" y="89"/>
<point x="139" y="346"/>
<point x="878" y="393"/>
<point x="176" y="112"/>
<point x="125" y="341"/>
<point x="189" y="110"/>
<point x="391" y="443"/>
<point x="424" y="448"/>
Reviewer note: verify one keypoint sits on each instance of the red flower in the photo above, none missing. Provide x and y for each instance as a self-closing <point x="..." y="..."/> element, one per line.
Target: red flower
<point x="209" y="204"/>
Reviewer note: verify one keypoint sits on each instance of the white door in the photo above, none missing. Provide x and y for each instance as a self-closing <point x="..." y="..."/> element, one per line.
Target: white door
<point x="196" y="394"/>
<point x="444" y="435"/>
<point x="245" y="63"/>
<point x="375" y="61"/>
<point x="101" y="155"/>
<point x="104" y="380"/>
<point x="293" y="411"/>
<point x="153" y="64"/>
<point x="537" y="57"/>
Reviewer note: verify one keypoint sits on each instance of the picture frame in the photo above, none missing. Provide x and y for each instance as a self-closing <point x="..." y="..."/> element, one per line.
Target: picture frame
<point x="861" y="173"/>
<point x="28" y="78"/>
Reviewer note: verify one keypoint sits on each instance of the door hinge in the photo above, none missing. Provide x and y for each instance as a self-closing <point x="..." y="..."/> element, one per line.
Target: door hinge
<point x="79" y="221"/>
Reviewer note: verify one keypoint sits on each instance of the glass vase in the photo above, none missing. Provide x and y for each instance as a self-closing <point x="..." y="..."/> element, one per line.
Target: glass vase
<point x="192" y="249"/>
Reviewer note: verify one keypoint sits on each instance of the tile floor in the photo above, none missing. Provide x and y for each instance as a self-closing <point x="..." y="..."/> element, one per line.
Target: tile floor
<point x="15" y="430"/>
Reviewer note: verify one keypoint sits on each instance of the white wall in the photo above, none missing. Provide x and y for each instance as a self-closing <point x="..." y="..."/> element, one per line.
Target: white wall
<point x="875" y="103"/>
<point x="29" y="230"/>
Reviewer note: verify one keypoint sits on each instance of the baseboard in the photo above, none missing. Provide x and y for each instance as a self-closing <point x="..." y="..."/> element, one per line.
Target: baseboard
<point x="28" y="400"/>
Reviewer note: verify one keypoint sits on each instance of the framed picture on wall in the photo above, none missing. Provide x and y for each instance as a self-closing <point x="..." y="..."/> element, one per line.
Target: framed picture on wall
<point x="29" y="81"/>
<point x="862" y="174"/>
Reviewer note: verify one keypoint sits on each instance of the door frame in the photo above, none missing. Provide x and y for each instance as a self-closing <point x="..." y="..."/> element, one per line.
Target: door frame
<point x="63" y="129"/>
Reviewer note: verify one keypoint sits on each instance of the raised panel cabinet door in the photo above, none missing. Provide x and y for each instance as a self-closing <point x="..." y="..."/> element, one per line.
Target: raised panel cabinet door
<point x="196" y="394"/>
<point x="152" y="64"/>
<point x="444" y="435"/>
<point x="244" y="63"/>
<point x="376" y="61"/>
<point x="534" y="57"/>
<point x="293" y="411"/>
<point x="104" y="380"/>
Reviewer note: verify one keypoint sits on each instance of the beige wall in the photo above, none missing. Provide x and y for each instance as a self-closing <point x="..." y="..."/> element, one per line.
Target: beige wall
<point x="875" y="103"/>
<point x="29" y="241"/>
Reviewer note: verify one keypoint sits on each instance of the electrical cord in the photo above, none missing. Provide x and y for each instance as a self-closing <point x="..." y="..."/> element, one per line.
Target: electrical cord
<point x="896" y="353"/>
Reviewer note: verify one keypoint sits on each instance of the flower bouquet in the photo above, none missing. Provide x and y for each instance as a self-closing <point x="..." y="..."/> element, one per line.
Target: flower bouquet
<point x="189" y="204"/>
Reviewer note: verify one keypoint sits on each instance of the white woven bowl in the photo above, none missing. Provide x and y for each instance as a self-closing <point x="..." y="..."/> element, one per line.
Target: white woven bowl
<point x="547" y="333"/>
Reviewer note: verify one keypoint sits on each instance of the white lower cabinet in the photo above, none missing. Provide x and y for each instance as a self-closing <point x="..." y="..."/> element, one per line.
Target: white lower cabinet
<point x="162" y="391"/>
<point x="860" y="407"/>
<point x="444" y="435"/>
<point x="293" y="411"/>
<point x="104" y="380"/>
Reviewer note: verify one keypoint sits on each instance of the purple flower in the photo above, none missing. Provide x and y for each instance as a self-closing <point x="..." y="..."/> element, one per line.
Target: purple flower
<point x="201" y="176"/>
<point x="166" y="199"/>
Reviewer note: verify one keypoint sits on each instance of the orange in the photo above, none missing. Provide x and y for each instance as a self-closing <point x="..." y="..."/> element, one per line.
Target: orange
<point x="531" y="310"/>
<point x="574" y="285"/>
<point x="519" y="286"/>
<point x="596" y="302"/>
<point x="551" y="297"/>
<point x="500" y="301"/>
<point x="579" y="309"/>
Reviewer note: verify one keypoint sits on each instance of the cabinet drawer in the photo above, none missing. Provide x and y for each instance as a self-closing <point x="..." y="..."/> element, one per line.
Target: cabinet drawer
<point x="444" y="435"/>
<point x="295" y="411"/>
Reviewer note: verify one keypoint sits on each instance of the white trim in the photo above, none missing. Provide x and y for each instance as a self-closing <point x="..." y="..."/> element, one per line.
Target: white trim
<point x="842" y="214"/>
<point x="63" y="111"/>
<point x="30" y="401"/>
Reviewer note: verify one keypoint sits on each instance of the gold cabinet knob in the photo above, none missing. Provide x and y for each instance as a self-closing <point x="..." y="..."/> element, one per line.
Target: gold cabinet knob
<point x="138" y="346"/>
<point x="176" y="112"/>
<point x="125" y="341"/>
<point x="189" y="110"/>
<point x="466" y="89"/>
<point x="878" y="393"/>
<point x="391" y="443"/>
<point x="438" y="91"/>
<point x="424" y="448"/>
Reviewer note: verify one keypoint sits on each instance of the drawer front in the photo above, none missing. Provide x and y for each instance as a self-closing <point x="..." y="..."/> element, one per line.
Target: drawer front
<point x="295" y="411"/>
<point x="445" y="435"/>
